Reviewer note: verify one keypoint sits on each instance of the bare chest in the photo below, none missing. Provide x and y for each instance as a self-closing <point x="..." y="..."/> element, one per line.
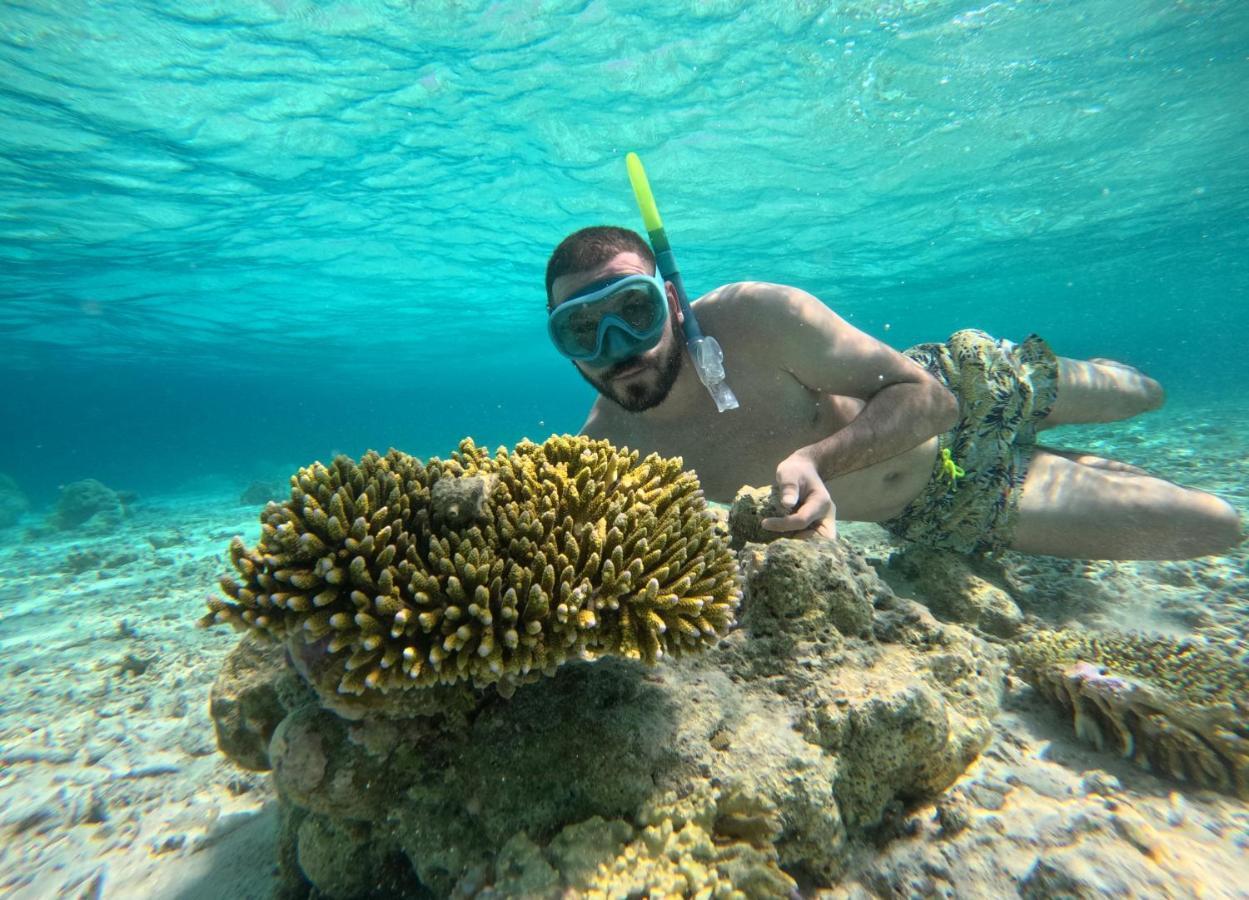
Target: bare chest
<point x="743" y="446"/>
<point x="777" y="416"/>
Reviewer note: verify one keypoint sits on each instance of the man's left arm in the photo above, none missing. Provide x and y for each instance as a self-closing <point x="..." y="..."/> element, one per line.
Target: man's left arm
<point x="904" y="405"/>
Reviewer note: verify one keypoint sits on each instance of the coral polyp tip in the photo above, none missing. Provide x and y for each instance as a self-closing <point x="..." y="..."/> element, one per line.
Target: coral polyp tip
<point x="485" y="569"/>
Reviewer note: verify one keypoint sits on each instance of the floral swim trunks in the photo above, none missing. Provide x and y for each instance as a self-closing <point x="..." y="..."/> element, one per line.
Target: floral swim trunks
<point x="971" y="502"/>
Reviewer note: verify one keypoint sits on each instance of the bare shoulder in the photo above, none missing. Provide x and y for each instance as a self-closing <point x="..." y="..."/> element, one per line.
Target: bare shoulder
<point x="818" y="347"/>
<point x="746" y="296"/>
<point x="767" y="308"/>
<point x="593" y="426"/>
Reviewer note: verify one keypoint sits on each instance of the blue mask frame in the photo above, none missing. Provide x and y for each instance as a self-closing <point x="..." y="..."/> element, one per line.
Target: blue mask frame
<point x="615" y="339"/>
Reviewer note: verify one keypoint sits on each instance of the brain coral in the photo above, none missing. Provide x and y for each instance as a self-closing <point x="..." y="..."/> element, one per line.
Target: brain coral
<point x="1177" y="708"/>
<point x="483" y="569"/>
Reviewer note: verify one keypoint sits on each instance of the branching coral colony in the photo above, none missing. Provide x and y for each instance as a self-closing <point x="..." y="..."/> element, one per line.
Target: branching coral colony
<point x="485" y="570"/>
<point x="1177" y="708"/>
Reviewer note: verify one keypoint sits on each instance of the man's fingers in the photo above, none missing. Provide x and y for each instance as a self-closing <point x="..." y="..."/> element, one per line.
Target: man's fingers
<point x="813" y="509"/>
<point x="785" y="523"/>
<point x="825" y="528"/>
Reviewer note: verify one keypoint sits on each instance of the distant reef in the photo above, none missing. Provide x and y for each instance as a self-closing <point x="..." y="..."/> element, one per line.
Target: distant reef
<point x="259" y="493"/>
<point x="89" y="506"/>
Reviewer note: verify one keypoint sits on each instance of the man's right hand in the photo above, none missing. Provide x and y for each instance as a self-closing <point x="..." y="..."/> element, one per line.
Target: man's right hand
<point x="801" y="493"/>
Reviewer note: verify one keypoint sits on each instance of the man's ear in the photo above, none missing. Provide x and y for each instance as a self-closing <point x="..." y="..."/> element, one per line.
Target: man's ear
<point x="674" y="305"/>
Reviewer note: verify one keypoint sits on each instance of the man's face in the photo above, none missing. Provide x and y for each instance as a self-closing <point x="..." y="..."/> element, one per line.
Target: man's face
<point x="640" y="382"/>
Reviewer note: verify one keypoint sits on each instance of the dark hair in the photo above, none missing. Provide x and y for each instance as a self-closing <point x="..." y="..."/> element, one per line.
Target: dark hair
<point x="590" y="248"/>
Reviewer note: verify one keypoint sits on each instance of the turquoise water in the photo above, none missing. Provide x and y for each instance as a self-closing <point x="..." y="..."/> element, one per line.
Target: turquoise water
<point x="236" y="236"/>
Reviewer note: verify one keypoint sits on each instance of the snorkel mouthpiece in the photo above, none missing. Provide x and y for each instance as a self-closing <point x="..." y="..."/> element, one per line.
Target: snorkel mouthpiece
<point x="709" y="361"/>
<point x="704" y="350"/>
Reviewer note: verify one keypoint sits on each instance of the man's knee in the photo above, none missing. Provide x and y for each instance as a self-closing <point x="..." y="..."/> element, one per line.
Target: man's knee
<point x="1215" y="529"/>
<point x="1227" y="528"/>
<point x="1152" y="394"/>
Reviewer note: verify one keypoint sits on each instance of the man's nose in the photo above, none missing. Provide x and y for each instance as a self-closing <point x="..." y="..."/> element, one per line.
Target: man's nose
<point x="616" y="345"/>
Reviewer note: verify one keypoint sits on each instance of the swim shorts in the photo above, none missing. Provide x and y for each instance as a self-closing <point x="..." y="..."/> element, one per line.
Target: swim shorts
<point x="1003" y="391"/>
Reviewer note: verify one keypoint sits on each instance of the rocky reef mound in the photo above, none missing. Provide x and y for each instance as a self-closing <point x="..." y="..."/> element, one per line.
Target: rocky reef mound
<point x="88" y="506"/>
<point x="751" y="769"/>
<point x="1175" y="707"/>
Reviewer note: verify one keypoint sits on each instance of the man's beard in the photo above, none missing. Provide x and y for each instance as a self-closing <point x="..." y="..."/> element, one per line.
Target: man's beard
<point x="639" y="397"/>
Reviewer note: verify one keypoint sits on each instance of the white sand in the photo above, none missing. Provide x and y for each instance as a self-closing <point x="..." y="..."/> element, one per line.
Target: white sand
<point x="110" y="783"/>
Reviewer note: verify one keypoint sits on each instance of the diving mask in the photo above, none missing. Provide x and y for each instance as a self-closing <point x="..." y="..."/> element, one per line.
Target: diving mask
<point x="610" y="321"/>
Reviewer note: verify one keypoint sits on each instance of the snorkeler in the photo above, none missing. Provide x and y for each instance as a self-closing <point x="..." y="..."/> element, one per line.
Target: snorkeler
<point x="938" y="444"/>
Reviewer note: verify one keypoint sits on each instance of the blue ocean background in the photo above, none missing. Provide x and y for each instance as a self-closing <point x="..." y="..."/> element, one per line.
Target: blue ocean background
<point x="236" y="236"/>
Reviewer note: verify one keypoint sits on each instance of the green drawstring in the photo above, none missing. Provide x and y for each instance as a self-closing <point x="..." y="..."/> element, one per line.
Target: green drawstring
<point x="950" y="469"/>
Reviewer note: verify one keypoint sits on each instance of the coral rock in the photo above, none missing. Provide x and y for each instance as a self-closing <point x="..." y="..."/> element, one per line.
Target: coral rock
<point x="750" y="507"/>
<point x="685" y="861"/>
<point x="808" y="594"/>
<point x="88" y="505"/>
<point x="245" y="703"/>
<point x="958" y="589"/>
<point x="737" y="772"/>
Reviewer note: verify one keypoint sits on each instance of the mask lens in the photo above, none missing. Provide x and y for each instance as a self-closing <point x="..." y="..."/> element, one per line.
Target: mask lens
<point x="634" y="307"/>
<point x="637" y="307"/>
<point x="579" y="329"/>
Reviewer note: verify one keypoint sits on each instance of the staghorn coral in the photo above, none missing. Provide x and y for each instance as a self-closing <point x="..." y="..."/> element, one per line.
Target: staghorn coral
<point x="485" y="569"/>
<point x="1176" y="708"/>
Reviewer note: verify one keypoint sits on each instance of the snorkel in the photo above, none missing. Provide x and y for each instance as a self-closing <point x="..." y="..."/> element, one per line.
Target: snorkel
<point x="704" y="349"/>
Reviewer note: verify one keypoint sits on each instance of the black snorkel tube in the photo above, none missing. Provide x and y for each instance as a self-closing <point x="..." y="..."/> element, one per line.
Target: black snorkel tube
<point x="704" y="350"/>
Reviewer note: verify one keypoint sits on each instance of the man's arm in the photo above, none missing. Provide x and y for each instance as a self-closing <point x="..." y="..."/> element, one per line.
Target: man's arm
<point x="904" y="404"/>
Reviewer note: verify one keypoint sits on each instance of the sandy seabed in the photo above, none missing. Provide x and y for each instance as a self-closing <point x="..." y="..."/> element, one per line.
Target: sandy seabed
<point x="111" y="786"/>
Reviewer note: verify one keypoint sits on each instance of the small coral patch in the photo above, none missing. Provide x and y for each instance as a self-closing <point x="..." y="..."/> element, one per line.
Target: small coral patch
<point x="1176" y="708"/>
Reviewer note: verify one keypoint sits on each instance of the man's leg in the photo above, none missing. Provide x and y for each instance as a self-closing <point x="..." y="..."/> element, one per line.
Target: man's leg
<point x="1085" y="511"/>
<point x="1097" y="462"/>
<point x="1100" y="390"/>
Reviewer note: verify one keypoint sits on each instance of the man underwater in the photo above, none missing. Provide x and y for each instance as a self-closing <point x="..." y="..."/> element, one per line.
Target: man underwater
<point x="938" y="444"/>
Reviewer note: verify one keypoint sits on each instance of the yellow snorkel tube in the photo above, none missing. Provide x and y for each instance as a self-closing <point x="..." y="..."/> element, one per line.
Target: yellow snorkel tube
<point x="704" y="350"/>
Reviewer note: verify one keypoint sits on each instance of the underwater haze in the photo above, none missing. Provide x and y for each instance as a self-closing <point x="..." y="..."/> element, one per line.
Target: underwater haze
<point x="236" y="236"/>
